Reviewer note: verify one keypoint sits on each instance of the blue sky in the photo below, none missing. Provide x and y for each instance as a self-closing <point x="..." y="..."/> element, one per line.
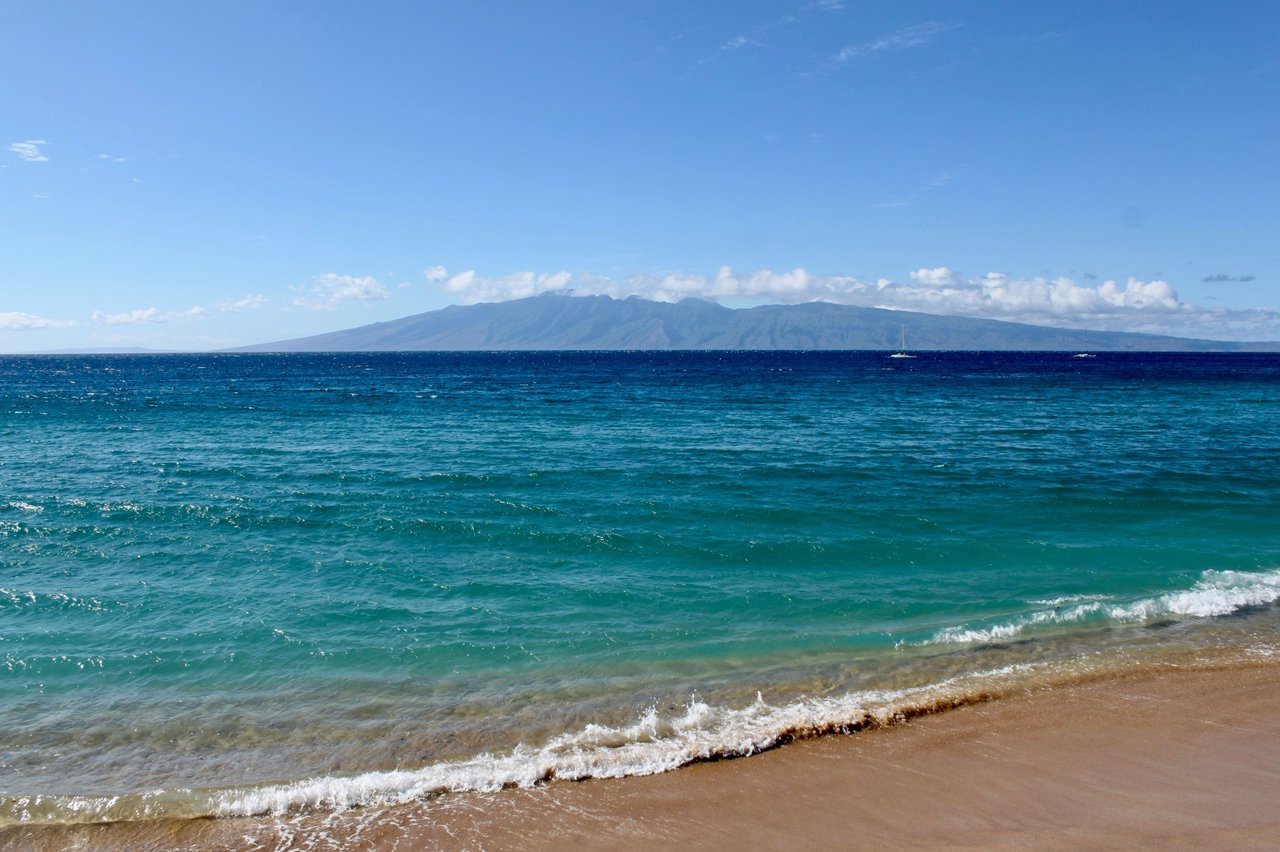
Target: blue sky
<point x="207" y="174"/>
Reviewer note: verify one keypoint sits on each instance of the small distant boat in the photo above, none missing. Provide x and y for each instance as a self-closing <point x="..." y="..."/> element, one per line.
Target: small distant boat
<point x="1084" y="355"/>
<point x="902" y="353"/>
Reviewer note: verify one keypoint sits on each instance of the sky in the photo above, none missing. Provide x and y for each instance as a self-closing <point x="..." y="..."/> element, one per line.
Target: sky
<point x="202" y="175"/>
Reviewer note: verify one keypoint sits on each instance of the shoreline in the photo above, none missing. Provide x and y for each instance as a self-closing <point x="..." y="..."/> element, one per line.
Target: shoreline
<point x="1181" y="757"/>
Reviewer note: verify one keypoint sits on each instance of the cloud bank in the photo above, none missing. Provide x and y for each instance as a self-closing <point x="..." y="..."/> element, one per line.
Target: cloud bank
<point x="1132" y="305"/>
<point x="330" y="290"/>
<point x="18" y="321"/>
<point x="153" y="315"/>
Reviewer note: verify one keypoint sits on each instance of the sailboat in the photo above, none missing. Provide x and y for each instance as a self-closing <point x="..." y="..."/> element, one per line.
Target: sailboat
<point x="902" y="353"/>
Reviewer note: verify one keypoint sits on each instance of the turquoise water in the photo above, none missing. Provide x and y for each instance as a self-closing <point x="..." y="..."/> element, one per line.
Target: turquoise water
<point x="236" y="584"/>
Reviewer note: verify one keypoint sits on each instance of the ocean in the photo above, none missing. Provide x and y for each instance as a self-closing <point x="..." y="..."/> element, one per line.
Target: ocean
<point x="272" y="584"/>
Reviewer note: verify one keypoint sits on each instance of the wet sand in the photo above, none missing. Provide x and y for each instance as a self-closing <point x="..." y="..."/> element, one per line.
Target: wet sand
<point x="1181" y="759"/>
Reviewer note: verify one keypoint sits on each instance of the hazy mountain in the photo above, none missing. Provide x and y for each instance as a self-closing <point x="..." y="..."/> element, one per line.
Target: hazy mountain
<point x="108" y="350"/>
<point x="558" y="321"/>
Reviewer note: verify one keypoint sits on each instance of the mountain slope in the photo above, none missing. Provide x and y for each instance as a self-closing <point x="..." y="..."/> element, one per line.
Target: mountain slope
<point x="557" y="321"/>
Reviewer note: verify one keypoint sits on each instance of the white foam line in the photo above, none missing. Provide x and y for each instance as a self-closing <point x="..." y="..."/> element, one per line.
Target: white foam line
<point x="1215" y="593"/>
<point x="652" y="745"/>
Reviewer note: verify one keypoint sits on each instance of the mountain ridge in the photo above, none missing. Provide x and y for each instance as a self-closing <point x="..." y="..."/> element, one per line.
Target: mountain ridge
<point x="558" y="321"/>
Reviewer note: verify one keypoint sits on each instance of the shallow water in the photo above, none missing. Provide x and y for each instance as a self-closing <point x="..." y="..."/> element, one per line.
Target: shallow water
<point x="256" y="582"/>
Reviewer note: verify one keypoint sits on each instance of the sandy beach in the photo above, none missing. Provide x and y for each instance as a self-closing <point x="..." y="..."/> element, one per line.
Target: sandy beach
<point x="1179" y="759"/>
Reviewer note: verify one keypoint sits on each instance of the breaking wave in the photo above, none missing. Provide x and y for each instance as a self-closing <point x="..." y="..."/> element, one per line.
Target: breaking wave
<point x="653" y="744"/>
<point x="1216" y="593"/>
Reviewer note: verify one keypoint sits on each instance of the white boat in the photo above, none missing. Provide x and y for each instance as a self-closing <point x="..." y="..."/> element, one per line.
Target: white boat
<point x="902" y="353"/>
<point x="1084" y="355"/>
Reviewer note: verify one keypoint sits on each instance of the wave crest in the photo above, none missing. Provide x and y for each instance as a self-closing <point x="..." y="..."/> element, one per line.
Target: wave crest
<point x="1216" y="593"/>
<point x="653" y="744"/>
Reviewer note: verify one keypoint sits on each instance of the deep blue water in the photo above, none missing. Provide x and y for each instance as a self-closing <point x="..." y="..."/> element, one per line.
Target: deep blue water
<point x="227" y="570"/>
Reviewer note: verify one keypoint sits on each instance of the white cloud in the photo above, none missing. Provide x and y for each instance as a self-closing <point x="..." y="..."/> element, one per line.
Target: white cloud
<point x="111" y="158"/>
<point x="1134" y="305"/>
<point x="907" y="37"/>
<point x="252" y="300"/>
<point x="330" y="289"/>
<point x="30" y="151"/>
<point x="148" y="315"/>
<point x="939" y="277"/>
<point x="436" y="274"/>
<point x="18" y="321"/>
<point x="795" y="286"/>
<point x="1057" y="300"/>
<point x="517" y="286"/>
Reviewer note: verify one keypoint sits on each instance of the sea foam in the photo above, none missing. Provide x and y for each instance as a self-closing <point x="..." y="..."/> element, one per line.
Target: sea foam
<point x="1216" y="593"/>
<point x="653" y="744"/>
